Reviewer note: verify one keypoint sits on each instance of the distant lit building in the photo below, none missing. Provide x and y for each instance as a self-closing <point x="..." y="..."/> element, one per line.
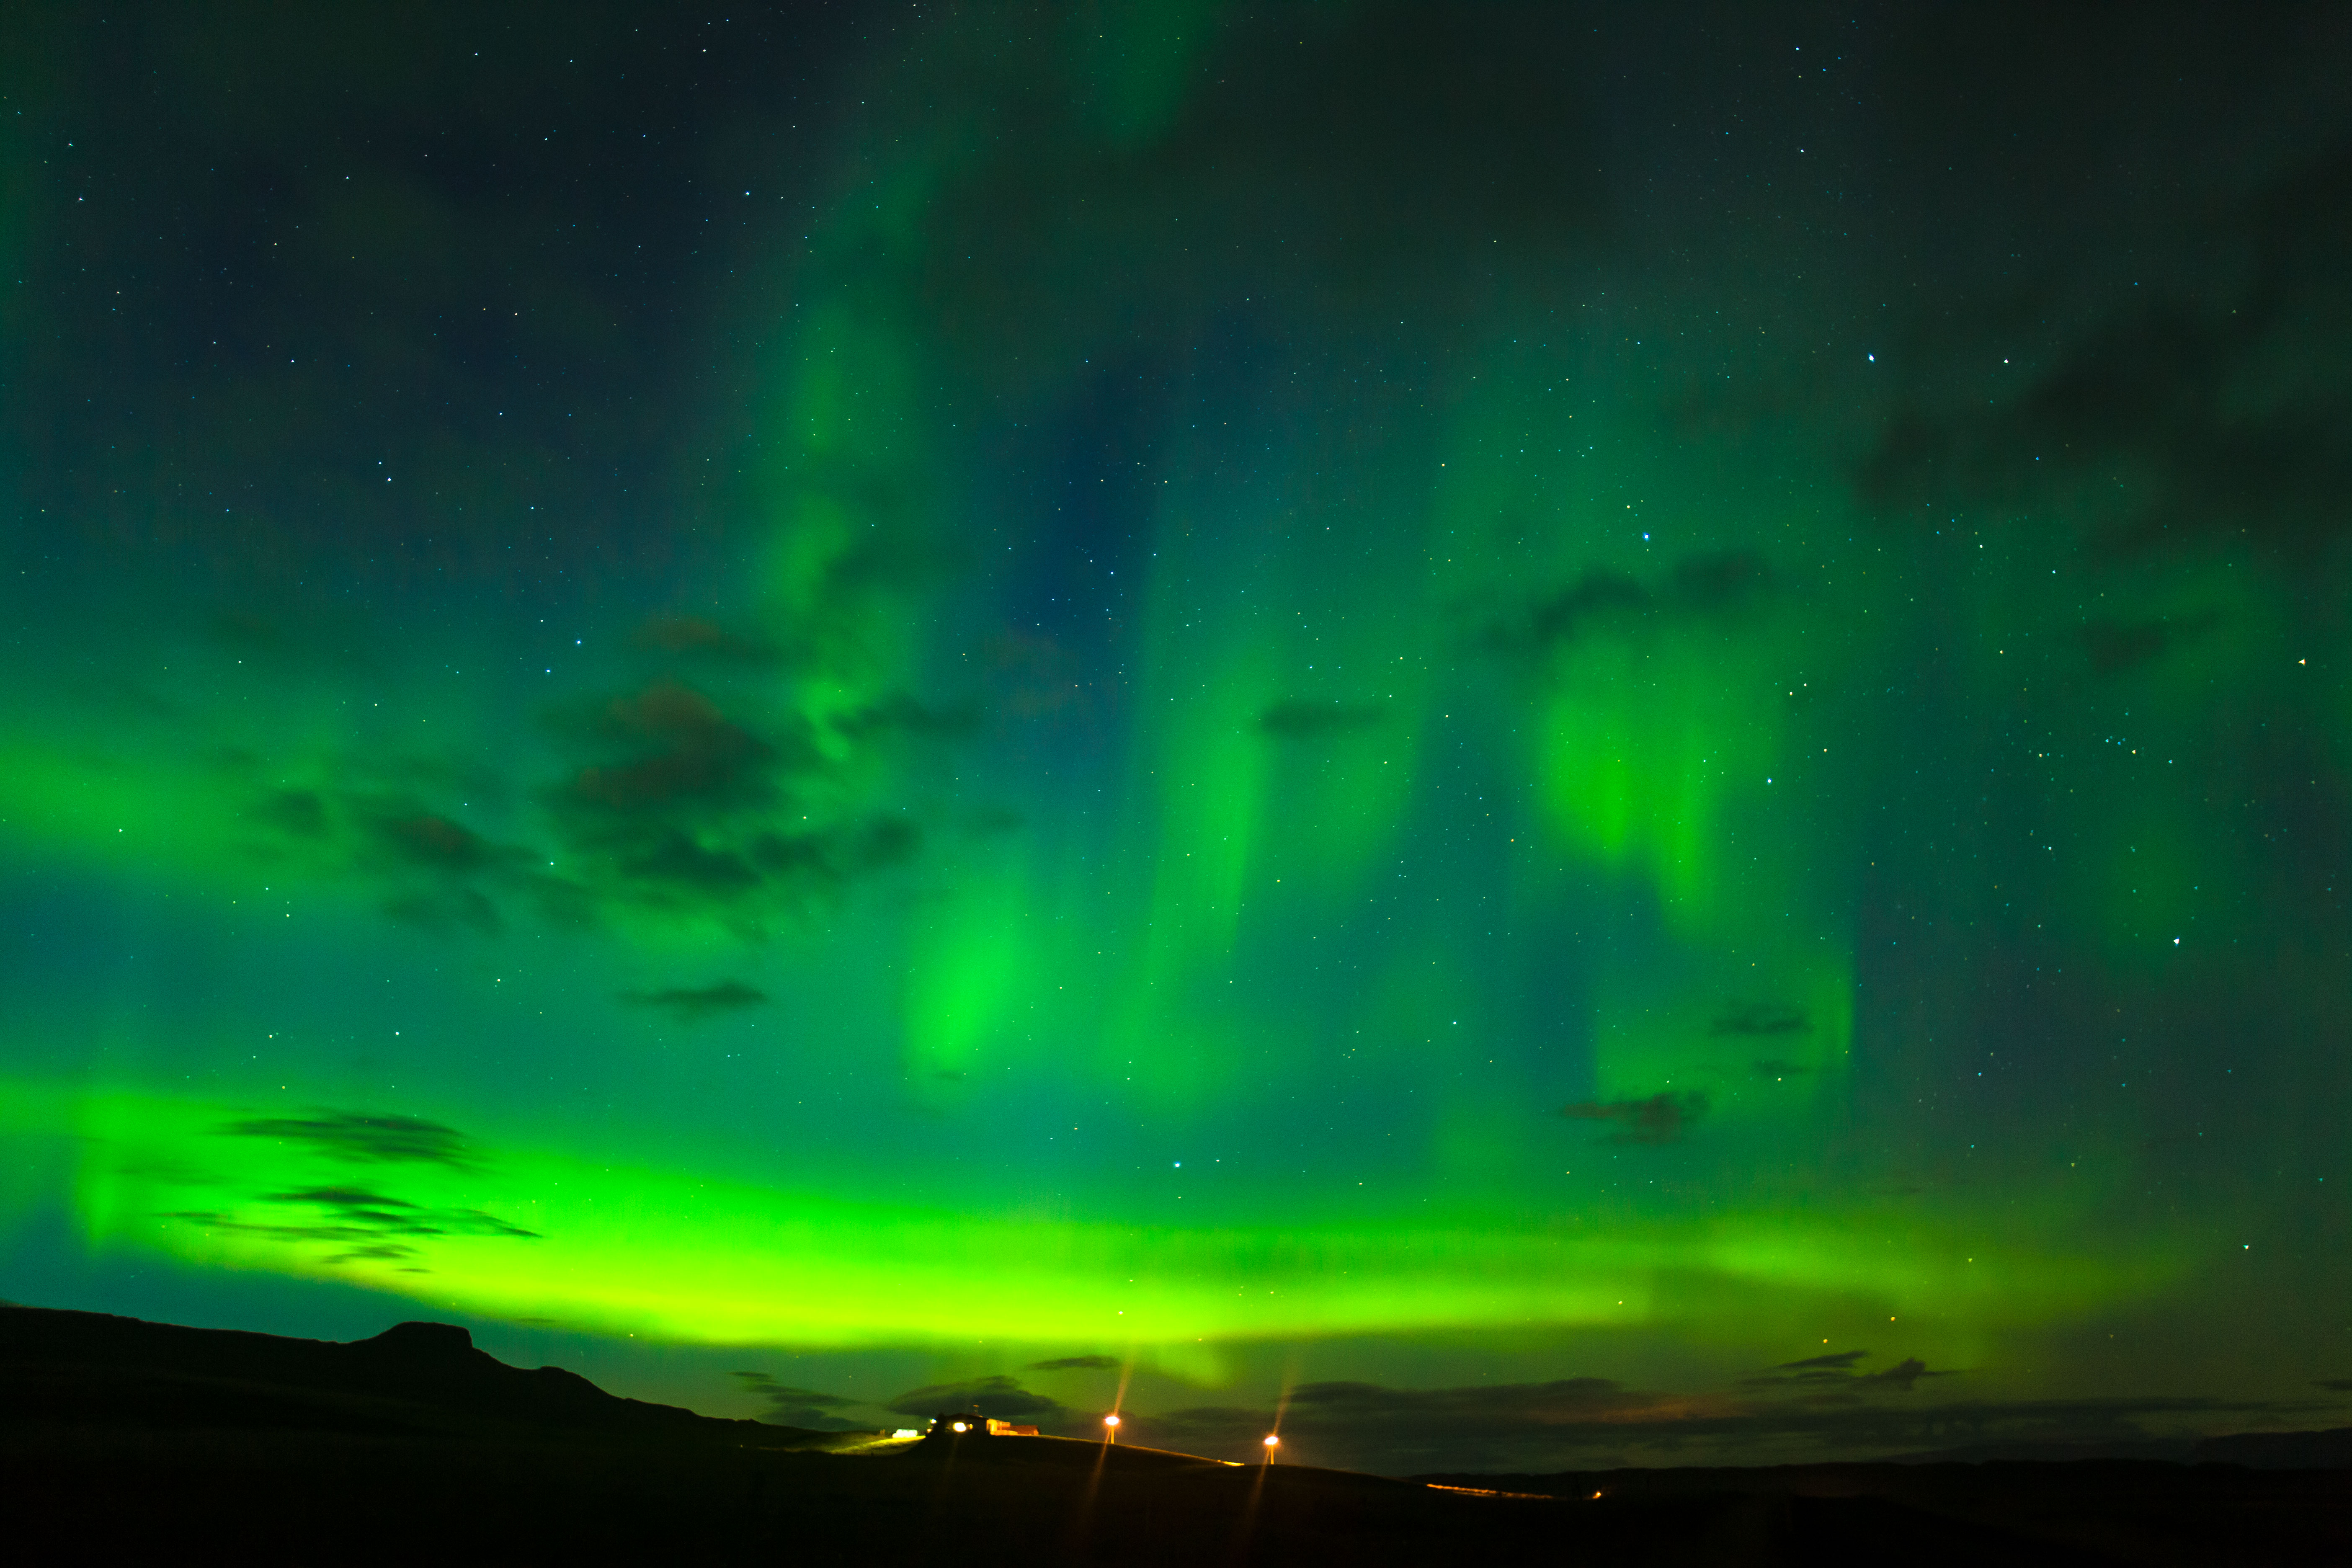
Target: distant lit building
<point x="950" y="1426"/>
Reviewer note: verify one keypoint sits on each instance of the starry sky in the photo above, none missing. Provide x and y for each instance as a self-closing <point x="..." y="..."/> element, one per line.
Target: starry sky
<point x="1522" y="735"/>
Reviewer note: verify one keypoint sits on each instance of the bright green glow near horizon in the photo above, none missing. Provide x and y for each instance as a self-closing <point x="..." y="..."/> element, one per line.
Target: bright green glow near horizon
<point x="669" y="1254"/>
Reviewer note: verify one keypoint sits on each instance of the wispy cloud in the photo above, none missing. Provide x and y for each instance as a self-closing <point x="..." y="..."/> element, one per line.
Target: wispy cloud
<point x="694" y="1004"/>
<point x="1698" y="590"/>
<point x="1296" y="720"/>
<point x="690" y="808"/>
<point x="1002" y="1397"/>
<point x="1660" y="1119"/>
<point x="358" y="1222"/>
<point x="695" y="635"/>
<point x="363" y="1139"/>
<point x="803" y="1407"/>
<point x="1837" y="1370"/>
<point x="2156" y="389"/>
<point x="1759" y="1020"/>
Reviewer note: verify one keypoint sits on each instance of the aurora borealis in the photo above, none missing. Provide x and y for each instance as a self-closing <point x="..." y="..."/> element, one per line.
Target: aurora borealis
<point x="1555" y="736"/>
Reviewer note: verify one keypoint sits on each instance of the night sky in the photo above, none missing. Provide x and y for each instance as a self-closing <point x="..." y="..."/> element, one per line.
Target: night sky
<point x="1530" y="736"/>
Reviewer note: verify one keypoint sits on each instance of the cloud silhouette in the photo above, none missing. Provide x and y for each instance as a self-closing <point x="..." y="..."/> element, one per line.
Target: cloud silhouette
<point x="1297" y="720"/>
<point x="436" y="842"/>
<point x="1760" y="1018"/>
<point x="673" y="803"/>
<point x="1661" y="1119"/>
<point x="1716" y="586"/>
<point x="1838" y="1372"/>
<point x="2202" y="416"/>
<point x="678" y="754"/>
<point x="1375" y="161"/>
<point x="692" y="635"/>
<point x="360" y="1222"/>
<point x="694" y="1004"/>
<point x="805" y="1408"/>
<point x="1075" y="1363"/>
<point x="899" y="714"/>
<point x="690" y="809"/>
<point x="373" y="821"/>
<point x="391" y="1215"/>
<point x="363" y="1139"/>
<point x="1721" y="582"/>
<point x="2114" y="646"/>
<point x="1597" y="598"/>
<point x="1002" y="1397"/>
<point x="1903" y="1373"/>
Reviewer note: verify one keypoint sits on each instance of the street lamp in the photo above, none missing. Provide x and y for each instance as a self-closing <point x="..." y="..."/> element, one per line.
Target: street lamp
<point x="1272" y="1443"/>
<point x="1110" y="1429"/>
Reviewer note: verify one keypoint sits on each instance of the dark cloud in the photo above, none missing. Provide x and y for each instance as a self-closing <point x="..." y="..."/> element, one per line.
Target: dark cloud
<point x="1722" y="582"/>
<point x="365" y="1140"/>
<point x="902" y="715"/>
<point x="676" y="804"/>
<point x="1076" y="1363"/>
<point x="1661" y="1119"/>
<point x="1400" y="136"/>
<point x="1700" y="588"/>
<point x="679" y="754"/>
<point x="301" y="812"/>
<point x="1368" y="152"/>
<point x="1596" y="598"/>
<point x="2340" y="1384"/>
<point x="446" y="910"/>
<point x="1295" y="719"/>
<point x="434" y="842"/>
<point x="830" y="858"/>
<point x="2115" y="646"/>
<point x="430" y="869"/>
<point x="1760" y="1018"/>
<point x="352" y="1203"/>
<point x="2213" y="413"/>
<point x="390" y="1216"/>
<point x="1002" y="1397"/>
<point x="1903" y="1373"/>
<point x="693" y="809"/>
<point x="1838" y="1372"/>
<point x="444" y="866"/>
<point x="803" y="1407"/>
<point x="358" y="1223"/>
<point x="1775" y="1067"/>
<point x="693" y="1003"/>
<point x="692" y="635"/>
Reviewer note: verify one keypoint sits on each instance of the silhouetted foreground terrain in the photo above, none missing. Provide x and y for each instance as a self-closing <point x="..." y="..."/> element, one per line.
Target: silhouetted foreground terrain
<point x="122" y="1441"/>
